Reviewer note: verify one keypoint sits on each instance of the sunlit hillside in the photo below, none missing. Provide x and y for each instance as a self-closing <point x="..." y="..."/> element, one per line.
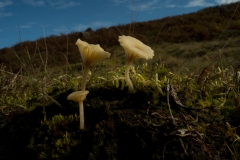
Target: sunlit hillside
<point x="209" y="26"/>
<point x="178" y="99"/>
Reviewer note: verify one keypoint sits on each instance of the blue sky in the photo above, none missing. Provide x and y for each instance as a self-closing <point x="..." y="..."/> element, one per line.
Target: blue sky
<point x="32" y="19"/>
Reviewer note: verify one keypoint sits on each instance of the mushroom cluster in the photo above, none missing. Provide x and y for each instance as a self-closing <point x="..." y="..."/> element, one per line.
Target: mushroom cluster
<point x="90" y="54"/>
<point x="93" y="53"/>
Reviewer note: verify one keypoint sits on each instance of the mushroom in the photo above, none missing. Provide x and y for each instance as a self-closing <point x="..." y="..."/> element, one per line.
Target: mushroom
<point x="134" y="49"/>
<point x="79" y="96"/>
<point x="90" y="53"/>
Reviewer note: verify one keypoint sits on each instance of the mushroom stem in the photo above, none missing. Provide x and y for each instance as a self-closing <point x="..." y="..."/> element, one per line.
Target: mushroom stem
<point x="81" y="114"/>
<point x="84" y="78"/>
<point x="79" y="97"/>
<point x="127" y="78"/>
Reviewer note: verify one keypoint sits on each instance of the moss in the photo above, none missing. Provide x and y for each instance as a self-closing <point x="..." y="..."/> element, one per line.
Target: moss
<point x="127" y="125"/>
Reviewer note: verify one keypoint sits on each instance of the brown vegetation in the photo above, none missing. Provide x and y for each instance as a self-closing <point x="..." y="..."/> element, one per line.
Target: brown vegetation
<point x="205" y="25"/>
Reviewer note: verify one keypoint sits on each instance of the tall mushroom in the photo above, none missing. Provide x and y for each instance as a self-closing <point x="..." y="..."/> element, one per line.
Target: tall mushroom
<point x="90" y="53"/>
<point x="79" y="96"/>
<point x="134" y="49"/>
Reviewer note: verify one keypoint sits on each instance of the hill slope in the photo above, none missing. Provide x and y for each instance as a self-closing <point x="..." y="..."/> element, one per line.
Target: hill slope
<point x="220" y="22"/>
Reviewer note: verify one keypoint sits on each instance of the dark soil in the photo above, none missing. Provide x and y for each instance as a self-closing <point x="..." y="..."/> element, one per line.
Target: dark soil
<point x="118" y="126"/>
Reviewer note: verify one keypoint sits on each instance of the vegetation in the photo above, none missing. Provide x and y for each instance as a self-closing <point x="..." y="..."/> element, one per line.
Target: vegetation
<point x="224" y="23"/>
<point x="185" y="103"/>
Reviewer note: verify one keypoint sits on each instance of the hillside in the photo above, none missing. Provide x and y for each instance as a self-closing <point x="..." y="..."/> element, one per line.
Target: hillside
<point x="214" y="23"/>
<point x="184" y="103"/>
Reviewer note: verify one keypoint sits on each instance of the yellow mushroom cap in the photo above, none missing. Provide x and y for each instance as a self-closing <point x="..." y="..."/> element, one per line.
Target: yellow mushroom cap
<point x="77" y="96"/>
<point x="91" y="53"/>
<point x="134" y="48"/>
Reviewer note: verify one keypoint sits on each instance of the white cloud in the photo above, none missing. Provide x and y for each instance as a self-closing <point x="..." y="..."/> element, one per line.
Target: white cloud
<point x="137" y="5"/>
<point x="148" y="5"/>
<point x="118" y="2"/>
<point x="5" y="15"/>
<point x="61" y="29"/>
<point x="171" y="6"/>
<point x="61" y="4"/>
<point x="168" y="4"/>
<point x="25" y="26"/>
<point x="28" y="25"/>
<point x="34" y="2"/>
<point x="226" y="1"/>
<point x="198" y="3"/>
<point x="5" y="3"/>
<point x="80" y="27"/>
<point x="58" y="4"/>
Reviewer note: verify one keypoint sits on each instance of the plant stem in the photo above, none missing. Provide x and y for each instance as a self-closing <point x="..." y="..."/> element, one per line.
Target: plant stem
<point x="127" y="78"/>
<point x="84" y="78"/>
<point x="44" y="114"/>
<point x="81" y="114"/>
<point x="169" y="107"/>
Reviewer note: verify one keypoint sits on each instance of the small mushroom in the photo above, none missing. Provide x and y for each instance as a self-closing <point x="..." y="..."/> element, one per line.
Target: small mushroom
<point x="90" y="53"/>
<point x="79" y="96"/>
<point x="134" y="49"/>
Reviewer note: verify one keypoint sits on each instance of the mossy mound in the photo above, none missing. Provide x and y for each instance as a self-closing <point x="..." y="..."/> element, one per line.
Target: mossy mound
<point x="119" y="125"/>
